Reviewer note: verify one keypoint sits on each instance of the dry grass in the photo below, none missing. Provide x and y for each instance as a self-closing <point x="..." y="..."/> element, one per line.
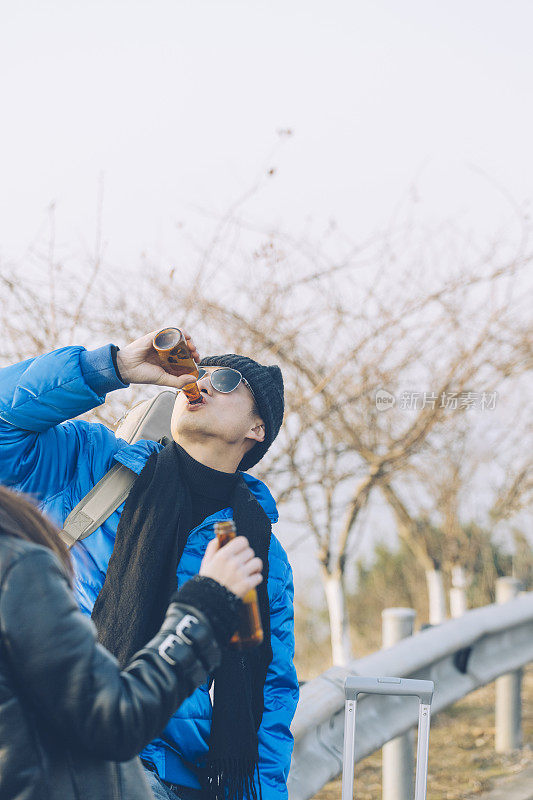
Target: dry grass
<point x="462" y="761"/>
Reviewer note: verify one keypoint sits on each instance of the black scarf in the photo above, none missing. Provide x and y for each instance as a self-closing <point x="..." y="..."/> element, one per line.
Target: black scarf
<point x="151" y="536"/>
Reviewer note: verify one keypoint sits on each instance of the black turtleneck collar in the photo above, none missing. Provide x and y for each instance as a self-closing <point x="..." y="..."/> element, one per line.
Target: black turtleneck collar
<point x="206" y="481"/>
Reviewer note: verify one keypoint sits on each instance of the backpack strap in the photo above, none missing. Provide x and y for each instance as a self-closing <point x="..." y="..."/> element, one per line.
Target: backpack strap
<point x="149" y="419"/>
<point x="98" y="504"/>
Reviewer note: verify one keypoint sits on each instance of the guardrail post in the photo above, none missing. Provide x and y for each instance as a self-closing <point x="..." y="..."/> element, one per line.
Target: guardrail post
<point x="398" y="754"/>
<point x="508" y="687"/>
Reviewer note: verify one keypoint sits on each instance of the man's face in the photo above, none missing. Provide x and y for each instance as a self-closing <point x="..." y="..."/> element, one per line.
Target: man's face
<point x="226" y="417"/>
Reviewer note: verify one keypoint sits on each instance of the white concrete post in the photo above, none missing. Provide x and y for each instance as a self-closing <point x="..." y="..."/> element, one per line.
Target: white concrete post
<point x="508" y="687"/>
<point x="398" y="754"/>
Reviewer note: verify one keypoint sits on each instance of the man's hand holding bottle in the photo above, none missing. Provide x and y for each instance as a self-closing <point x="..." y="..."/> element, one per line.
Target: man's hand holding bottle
<point x="235" y="565"/>
<point x="140" y="363"/>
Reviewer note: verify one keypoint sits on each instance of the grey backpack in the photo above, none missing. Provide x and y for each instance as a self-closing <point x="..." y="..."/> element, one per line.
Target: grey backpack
<point x="149" y="419"/>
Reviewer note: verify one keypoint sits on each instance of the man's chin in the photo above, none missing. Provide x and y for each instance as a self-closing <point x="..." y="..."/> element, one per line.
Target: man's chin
<point x="182" y="419"/>
<point x="186" y="423"/>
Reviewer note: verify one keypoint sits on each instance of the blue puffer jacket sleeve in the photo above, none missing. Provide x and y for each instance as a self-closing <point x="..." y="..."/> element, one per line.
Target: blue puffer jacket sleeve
<point x="40" y="450"/>
<point x="281" y="696"/>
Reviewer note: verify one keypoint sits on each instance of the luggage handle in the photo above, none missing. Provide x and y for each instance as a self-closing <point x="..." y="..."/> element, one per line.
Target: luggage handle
<point x="358" y="684"/>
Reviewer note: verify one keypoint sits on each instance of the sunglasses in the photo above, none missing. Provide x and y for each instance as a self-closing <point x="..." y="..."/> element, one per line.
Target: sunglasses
<point x="224" y="379"/>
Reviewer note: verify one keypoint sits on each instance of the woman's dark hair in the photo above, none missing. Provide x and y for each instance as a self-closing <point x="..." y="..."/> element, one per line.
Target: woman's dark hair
<point x="20" y="517"/>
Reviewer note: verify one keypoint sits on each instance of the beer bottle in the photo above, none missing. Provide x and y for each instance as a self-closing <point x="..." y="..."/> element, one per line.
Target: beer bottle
<point x="174" y="355"/>
<point x="250" y="630"/>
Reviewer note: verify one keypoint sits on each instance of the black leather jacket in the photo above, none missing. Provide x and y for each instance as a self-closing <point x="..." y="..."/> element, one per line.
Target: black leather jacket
<point x="71" y="723"/>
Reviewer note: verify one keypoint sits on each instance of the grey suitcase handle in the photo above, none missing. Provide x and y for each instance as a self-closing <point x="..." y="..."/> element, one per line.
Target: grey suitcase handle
<point x="356" y="685"/>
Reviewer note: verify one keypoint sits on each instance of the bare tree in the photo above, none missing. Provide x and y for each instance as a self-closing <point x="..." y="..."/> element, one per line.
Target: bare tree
<point x="345" y="328"/>
<point x="335" y="359"/>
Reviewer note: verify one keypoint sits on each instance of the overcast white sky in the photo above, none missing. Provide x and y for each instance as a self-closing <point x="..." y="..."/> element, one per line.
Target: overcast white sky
<point x="177" y="104"/>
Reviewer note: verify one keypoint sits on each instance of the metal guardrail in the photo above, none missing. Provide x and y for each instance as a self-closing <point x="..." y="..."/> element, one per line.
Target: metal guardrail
<point x="459" y="656"/>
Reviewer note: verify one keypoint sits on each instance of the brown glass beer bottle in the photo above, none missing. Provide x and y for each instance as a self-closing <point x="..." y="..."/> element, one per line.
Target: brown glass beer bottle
<point x="250" y="631"/>
<point x="174" y="355"/>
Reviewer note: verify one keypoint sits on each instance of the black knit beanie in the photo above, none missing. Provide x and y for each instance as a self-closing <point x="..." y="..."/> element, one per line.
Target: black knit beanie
<point x="267" y="386"/>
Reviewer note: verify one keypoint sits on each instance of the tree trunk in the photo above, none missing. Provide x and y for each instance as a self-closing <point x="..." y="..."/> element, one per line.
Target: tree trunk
<point x="458" y="604"/>
<point x="341" y="650"/>
<point x="437" y="598"/>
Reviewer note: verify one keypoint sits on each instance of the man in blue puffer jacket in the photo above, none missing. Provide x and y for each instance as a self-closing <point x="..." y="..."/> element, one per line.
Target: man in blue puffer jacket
<point x="58" y="460"/>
